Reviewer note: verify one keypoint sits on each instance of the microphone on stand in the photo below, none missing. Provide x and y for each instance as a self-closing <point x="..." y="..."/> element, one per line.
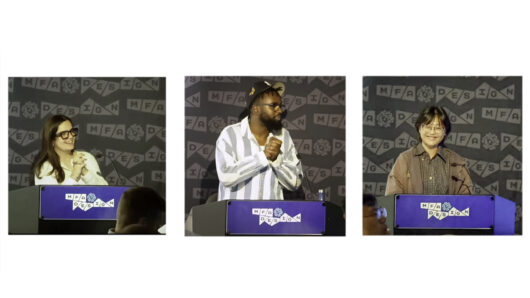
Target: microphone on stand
<point x="454" y="164"/>
<point x="461" y="180"/>
<point x="99" y="155"/>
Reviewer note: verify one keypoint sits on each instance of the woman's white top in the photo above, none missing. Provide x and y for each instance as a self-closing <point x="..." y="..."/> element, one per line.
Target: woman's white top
<point x="92" y="177"/>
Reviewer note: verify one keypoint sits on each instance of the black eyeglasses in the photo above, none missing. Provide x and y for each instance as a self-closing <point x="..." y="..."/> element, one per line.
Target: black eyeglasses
<point x="274" y="105"/>
<point x="64" y="134"/>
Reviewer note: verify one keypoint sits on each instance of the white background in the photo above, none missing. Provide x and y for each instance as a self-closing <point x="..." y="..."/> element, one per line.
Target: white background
<point x="177" y="38"/>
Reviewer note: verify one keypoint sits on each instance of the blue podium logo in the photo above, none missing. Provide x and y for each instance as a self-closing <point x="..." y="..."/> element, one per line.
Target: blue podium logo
<point x="86" y="202"/>
<point x="441" y="211"/>
<point x="274" y="216"/>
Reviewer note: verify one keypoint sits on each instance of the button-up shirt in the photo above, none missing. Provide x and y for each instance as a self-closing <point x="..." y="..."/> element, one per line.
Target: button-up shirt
<point x="244" y="171"/>
<point x="92" y="176"/>
<point x="434" y="171"/>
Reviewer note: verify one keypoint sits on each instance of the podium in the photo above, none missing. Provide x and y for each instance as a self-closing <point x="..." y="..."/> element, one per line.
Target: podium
<point x="274" y="217"/>
<point x="449" y="214"/>
<point x="55" y="209"/>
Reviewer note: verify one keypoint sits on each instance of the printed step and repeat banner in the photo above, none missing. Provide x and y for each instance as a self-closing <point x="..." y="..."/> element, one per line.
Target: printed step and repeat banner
<point x="121" y="122"/>
<point x="315" y="119"/>
<point x="486" y="119"/>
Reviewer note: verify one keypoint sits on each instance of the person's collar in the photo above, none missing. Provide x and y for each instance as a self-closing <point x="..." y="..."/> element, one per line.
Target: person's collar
<point x="419" y="150"/>
<point x="441" y="151"/>
<point x="245" y="127"/>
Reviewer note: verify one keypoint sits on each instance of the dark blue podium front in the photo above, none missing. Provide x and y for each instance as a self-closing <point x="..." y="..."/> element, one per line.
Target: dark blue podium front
<point x="55" y="209"/>
<point x="461" y="214"/>
<point x="256" y="217"/>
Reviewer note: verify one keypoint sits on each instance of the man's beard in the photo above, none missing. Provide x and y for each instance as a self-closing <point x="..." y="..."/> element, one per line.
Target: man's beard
<point x="271" y="124"/>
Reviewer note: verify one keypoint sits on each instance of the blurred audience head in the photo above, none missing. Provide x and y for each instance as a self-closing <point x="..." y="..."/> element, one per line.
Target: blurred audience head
<point x="371" y="224"/>
<point x="141" y="211"/>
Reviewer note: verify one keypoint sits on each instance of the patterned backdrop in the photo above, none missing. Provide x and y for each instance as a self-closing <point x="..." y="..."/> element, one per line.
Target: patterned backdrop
<point x="315" y="119"/>
<point x="486" y="120"/>
<point x="121" y="119"/>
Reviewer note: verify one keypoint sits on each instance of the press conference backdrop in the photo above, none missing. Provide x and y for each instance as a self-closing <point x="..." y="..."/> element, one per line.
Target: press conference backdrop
<point x="315" y="120"/>
<point x="121" y="119"/>
<point x="486" y="118"/>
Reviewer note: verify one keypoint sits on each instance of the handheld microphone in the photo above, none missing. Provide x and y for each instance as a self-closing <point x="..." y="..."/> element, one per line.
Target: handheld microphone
<point x="120" y="178"/>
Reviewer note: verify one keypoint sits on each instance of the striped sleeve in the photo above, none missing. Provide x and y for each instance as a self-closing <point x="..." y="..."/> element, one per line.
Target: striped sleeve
<point x="230" y="170"/>
<point x="287" y="166"/>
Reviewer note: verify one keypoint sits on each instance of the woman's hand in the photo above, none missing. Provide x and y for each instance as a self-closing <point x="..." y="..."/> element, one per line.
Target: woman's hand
<point x="79" y="166"/>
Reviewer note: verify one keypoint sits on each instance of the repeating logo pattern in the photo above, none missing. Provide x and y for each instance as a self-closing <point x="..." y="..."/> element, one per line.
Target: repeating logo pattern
<point x="315" y="118"/>
<point x="486" y="118"/>
<point x="121" y="122"/>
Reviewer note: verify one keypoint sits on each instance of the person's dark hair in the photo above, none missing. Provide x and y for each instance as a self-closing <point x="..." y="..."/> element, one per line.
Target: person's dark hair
<point x="430" y="113"/>
<point x="369" y="200"/>
<point x="47" y="152"/>
<point x="142" y="202"/>
<point x="256" y="99"/>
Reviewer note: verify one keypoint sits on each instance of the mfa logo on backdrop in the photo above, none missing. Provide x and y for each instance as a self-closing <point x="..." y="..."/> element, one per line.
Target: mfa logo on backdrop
<point x="273" y="216"/>
<point x="441" y="211"/>
<point x="502" y="114"/>
<point x="134" y="132"/>
<point x="455" y="95"/>
<point x="86" y="202"/>
<point x="330" y="120"/>
<point x="329" y="81"/>
<point x="484" y="91"/>
<point x="380" y="146"/>
<point x="101" y="87"/>
<point x="23" y="137"/>
<point x="153" y="106"/>
<point x="305" y="146"/>
<point x="202" y="124"/>
<point x="29" y="110"/>
<point x="409" y="93"/>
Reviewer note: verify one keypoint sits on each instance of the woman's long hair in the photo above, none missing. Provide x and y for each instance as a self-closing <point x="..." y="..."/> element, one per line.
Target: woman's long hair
<point x="47" y="152"/>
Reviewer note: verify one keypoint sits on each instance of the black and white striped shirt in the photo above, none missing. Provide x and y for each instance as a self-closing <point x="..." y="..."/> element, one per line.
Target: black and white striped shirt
<point x="244" y="171"/>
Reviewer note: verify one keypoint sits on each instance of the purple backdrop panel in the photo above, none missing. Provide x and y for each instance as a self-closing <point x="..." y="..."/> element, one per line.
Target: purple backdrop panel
<point x="440" y="211"/>
<point x="276" y="217"/>
<point x="80" y="202"/>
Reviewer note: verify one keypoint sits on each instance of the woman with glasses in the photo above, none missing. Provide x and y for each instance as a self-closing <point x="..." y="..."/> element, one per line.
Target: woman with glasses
<point x="429" y="167"/>
<point x="58" y="162"/>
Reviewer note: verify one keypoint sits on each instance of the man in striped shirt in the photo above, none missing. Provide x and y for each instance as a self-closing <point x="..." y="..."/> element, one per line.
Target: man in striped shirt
<point x="256" y="157"/>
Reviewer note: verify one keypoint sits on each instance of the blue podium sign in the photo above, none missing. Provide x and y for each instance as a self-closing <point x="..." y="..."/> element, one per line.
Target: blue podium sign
<point x="276" y="217"/>
<point x="455" y="212"/>
<point x="80" y="202"/>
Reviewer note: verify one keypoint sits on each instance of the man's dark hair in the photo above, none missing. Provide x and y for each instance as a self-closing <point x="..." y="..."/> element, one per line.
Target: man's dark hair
<point x="260" y="96"/>
<point x="428" y="114"/>
<point x="369" y="200"/>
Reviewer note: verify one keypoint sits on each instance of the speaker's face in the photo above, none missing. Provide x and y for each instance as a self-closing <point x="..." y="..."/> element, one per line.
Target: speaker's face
<point x="65" y="137"/>
<point x="432" y="133"/>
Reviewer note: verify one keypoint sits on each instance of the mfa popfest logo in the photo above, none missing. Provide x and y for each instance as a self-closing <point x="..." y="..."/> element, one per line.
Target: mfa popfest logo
<point x="86" y="202"/>
<point x="441" y="211"/>
<point x="273" y="216"/>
